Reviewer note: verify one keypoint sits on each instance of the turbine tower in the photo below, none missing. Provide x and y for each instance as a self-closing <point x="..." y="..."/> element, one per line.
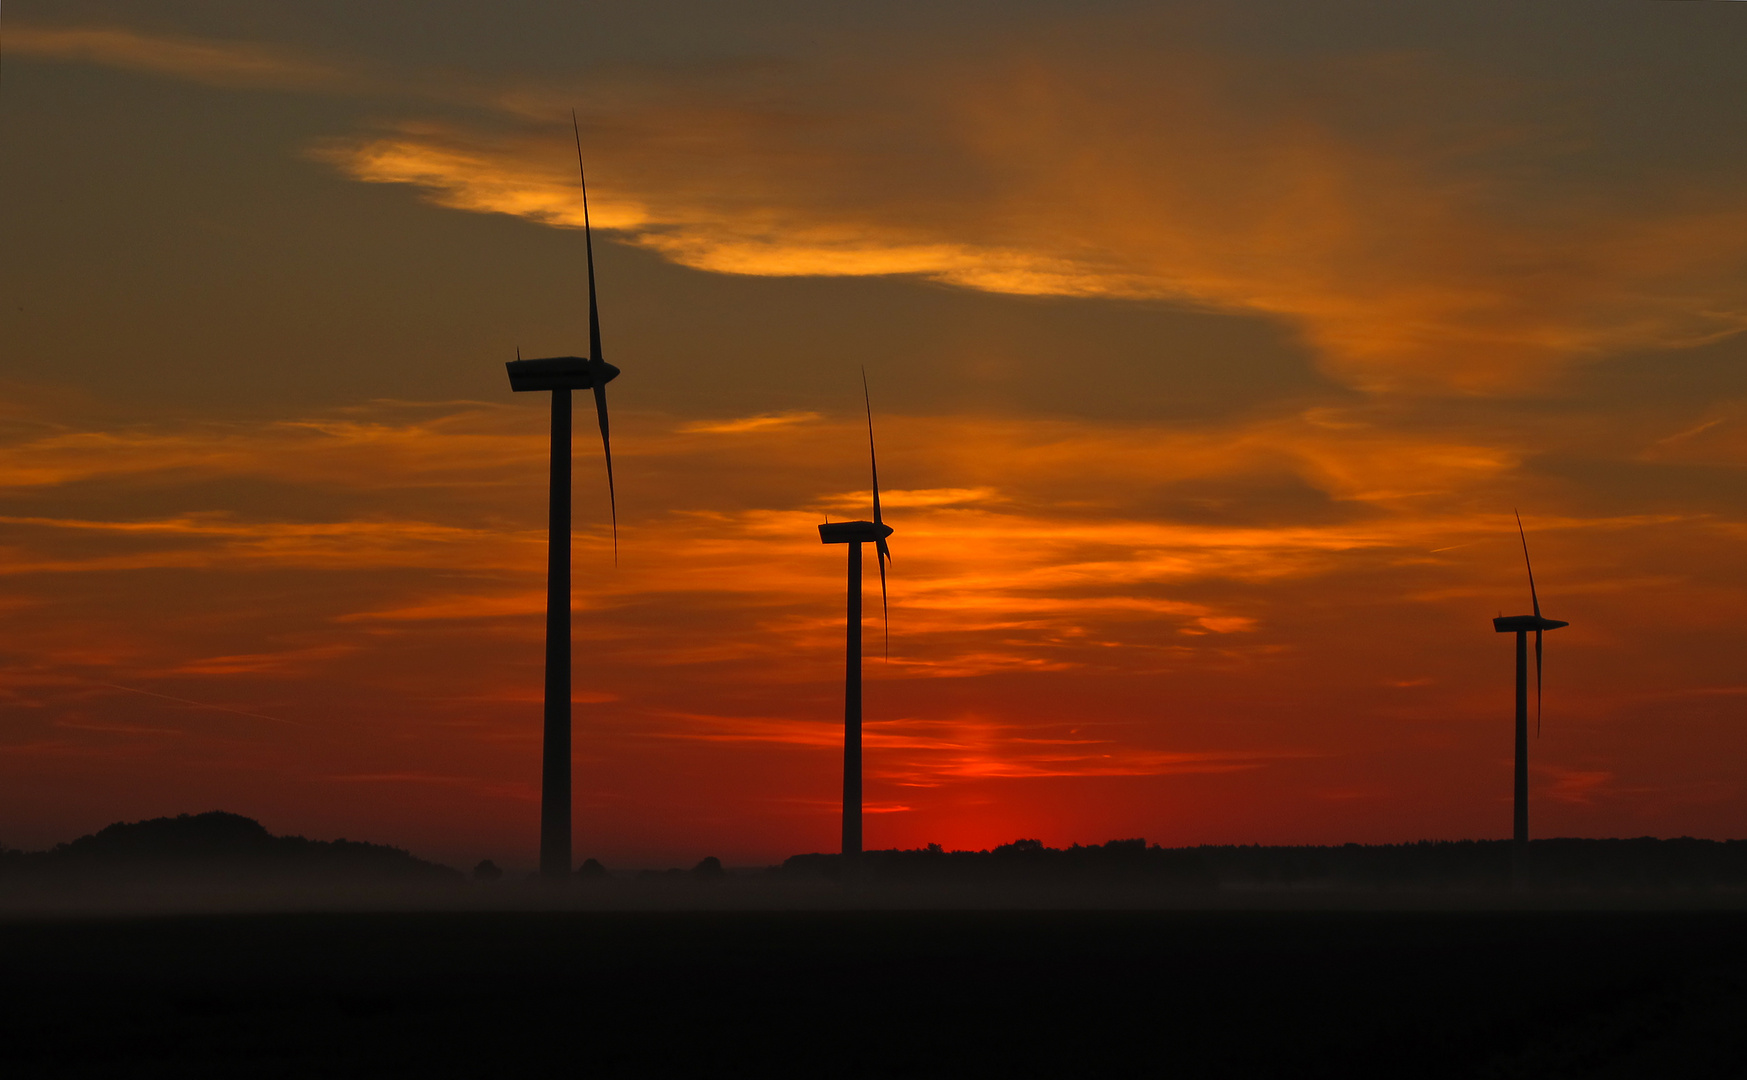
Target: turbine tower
<point x="855" y="534"/>
<point x="561" y="375"/>
<point x="1520" y="625"/>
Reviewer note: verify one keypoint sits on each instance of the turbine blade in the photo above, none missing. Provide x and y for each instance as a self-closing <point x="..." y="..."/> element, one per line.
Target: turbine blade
<point x="594" y="317"/>
<point x="594" y="336"/>
<point x="600" y="408"/>
<point x="885" y="607"/>
<point x="873" y="459"/>
<point x="1537" y="684"/>
<point x="1531" y="566"/>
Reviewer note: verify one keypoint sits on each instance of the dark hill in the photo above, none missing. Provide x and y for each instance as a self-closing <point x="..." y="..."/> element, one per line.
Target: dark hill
<point x="217" y="844"/>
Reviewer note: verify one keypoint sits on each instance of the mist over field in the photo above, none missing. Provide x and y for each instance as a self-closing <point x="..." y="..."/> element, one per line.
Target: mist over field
<point x="218" y="862"/>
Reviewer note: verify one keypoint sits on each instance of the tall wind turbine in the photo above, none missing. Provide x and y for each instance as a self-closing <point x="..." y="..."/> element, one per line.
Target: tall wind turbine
<point x="1520" y="625"/>
<point x="561" y="375"/>
<point x="855" y="534"/>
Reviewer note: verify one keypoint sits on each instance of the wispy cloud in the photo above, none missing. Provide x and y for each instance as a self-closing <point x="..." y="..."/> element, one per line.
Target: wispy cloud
<point x="741" y="425"/>
<point x="115" y="728"/>
<point x="219" y="62"/>
<point x="971" y="749"/>
<point x="325" y="450"/>
<point x="479" y="786"/>
<point x="217" y="540"/>
<point x="928" y="753"/>
<point x="1579" y="786"/>
<point x="1048" y="538"/>
<point x="283" y="661"/>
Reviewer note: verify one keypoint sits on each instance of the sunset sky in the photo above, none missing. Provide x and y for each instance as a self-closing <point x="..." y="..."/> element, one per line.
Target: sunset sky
<point x="1211" y="347"/>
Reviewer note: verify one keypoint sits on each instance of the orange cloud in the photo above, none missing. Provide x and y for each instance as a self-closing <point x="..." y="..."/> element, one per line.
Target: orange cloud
<point x="1042" y="537"/>
<point x="761" y="422"/>
<point x="1160" y="181"/>
<point x="1458" y="245"/>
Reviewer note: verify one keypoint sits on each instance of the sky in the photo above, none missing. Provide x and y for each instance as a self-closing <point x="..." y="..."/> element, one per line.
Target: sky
<point x="1211" y="350"/>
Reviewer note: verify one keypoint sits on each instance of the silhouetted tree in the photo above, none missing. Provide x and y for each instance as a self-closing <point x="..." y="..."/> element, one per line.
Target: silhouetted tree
<point x="1643" y="863"/>
<point x="590" y="870"/>
<point x="710" y="869"/>
<point x="487" y="871"/>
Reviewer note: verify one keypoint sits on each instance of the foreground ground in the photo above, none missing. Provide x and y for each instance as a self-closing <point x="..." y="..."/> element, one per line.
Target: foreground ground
<point x="1540" y="994"/>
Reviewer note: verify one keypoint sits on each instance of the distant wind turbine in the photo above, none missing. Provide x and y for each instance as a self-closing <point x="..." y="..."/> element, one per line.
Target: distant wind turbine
<point x="1520" y="625"/>
<point x="855" y="534"/>
<point x="561" y="375"/>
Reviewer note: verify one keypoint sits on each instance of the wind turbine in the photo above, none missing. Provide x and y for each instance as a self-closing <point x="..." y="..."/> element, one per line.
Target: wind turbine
<point x="1520" y="625"/>
<point x="561" y="375"/>
<point x="855" y="534"/>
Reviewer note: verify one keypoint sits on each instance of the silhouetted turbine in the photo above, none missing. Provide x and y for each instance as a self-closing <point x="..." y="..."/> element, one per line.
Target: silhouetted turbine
<point x="1520" y="625"/>
<point x="561" y="375"/>
<point x="855" y="534"/>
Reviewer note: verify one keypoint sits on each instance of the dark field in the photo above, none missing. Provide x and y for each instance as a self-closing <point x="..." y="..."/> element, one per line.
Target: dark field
<point x="950" y="994"/>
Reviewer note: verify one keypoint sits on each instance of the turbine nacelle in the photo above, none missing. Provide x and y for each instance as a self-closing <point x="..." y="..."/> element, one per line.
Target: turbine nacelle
<point x="1512" y="624"/>
<point x="853" y="532"/>
<point x="560" y="373"/>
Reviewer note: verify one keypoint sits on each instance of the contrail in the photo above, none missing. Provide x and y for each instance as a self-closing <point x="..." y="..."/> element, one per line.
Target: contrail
<point x="198" y="704"/>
